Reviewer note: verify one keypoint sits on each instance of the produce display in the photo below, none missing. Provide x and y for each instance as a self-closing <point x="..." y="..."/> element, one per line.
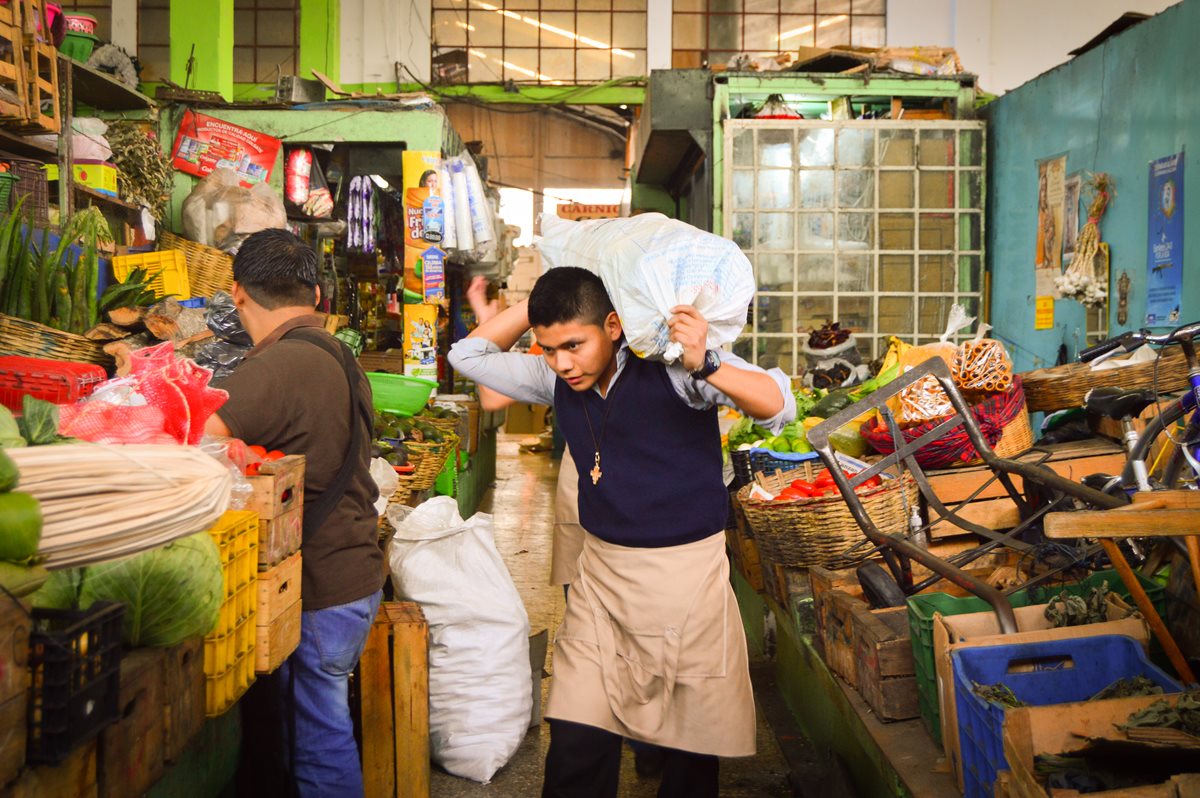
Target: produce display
<point x="392" y="432"/>
<point x="821" y="486"/>
<point x="52" y="283"/>
<point x="170" y="593"/>
<point x="20" y="515"/>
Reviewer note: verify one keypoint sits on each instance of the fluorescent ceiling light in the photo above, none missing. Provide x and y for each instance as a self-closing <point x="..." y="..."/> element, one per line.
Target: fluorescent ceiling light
<point x="803" y="29"/>
<point x="537" y="23"/>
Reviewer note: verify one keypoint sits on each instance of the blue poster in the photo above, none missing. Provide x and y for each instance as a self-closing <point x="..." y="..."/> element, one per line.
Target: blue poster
<point x="1164" y="264"/>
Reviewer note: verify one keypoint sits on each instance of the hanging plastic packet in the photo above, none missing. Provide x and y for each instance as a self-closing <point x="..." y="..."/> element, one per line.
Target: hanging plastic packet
<point x="982" y="365"/>
<point x="449" y="226"/>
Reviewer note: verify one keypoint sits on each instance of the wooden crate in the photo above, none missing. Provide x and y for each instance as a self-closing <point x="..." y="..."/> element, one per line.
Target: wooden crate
<point x="74" y="777"/>
<point x="274" y="642"/>
<point x="14" y="648"/>
<point x="1064" y="728"/>
<point x="41" y="90"/>
<point x="183" y="696"/>
<point x="13" y="733"/>
<point x="886" y="675"/>
<point x="393" y="678"/>
<point x="278" y="589"/>
<point x="12" y="69"/>
<point x="278" y="488"/>
<point x="835" y="626"/>
<point x="131" y="749"/>
<point x="279" y="537"/>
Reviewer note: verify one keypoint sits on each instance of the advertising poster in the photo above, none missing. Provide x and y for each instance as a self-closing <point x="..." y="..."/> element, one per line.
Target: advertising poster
<point x="205" y="144"/>
<point x="1043" y="313"/>
<point x="420" y="341"/>
<point x="1071" y="189"/>
<point x="424" y="223"/>
<point x="1047" y="260"/>
<point x="1164" y="262"/>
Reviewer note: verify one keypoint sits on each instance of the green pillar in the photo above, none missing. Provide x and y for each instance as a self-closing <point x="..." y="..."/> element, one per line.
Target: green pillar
<point x="320" y="36"/>
<point x="207" y="26"/>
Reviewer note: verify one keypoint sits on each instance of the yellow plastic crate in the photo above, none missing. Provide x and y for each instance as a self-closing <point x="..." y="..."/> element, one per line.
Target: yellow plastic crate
<point x="229" y="648"/>
<point x="168" y="265"/>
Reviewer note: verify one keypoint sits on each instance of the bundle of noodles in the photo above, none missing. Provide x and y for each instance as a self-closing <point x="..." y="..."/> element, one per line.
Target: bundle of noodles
<point x="982" y="366"/>
<point x="103" y="502"/>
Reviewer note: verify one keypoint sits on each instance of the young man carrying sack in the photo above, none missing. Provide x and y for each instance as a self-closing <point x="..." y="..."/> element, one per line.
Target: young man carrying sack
<point x="651" y="647"/>
<point x="301" y="391"/>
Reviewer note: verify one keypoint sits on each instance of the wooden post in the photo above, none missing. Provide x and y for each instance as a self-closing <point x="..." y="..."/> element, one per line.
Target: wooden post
<point x="378" y="726"/>
<point x="410" y="690"/>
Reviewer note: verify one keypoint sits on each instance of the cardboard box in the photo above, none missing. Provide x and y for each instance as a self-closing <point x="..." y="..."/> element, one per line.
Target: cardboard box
<point x="951" y="633"/>
<point x="526" y="419"/>
<point x="1063" y="728"/>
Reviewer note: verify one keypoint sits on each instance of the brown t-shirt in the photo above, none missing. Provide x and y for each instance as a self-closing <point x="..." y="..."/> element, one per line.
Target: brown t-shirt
<point x="292" y="395"/>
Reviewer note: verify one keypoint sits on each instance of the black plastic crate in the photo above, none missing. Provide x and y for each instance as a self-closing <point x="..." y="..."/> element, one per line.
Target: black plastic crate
<point x="75" y="665"/>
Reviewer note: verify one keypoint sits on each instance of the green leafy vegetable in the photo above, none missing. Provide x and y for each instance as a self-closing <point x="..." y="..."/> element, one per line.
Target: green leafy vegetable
<point x="39" y="421"/>
<point x="10" y="430"/>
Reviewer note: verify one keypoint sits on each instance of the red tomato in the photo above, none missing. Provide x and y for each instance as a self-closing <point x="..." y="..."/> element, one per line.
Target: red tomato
<point x="252" y="469"/>
<point x="873" y="482"/>
<point x="274" y="454"/>
<point x="258" y="450"/>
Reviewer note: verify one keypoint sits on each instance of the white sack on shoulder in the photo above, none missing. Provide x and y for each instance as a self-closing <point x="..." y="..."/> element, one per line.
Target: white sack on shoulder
<point x="479" y="678"/>
<point x="650" y="264"/>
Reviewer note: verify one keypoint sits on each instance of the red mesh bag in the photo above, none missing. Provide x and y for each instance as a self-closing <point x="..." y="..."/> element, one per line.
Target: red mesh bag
<point x="992" y="415"/>
<point x="101" y="422"/>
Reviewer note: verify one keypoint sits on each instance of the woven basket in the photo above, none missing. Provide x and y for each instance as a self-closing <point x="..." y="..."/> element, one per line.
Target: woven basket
<point x="209" y="269"/>
<point x="807" y="532"/>
<point x="428" y="459"/>
<point x="1062" y="387"/>
<point x="23" y="337"/>
<point x="444" y="424"/>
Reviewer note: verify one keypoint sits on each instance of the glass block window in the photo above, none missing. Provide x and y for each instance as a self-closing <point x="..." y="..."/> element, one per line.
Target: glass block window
<point x="876" y="224"/>
<point x="714" y="31"/>
<point x="266" y="39"/>
<point x="538" y="41"/>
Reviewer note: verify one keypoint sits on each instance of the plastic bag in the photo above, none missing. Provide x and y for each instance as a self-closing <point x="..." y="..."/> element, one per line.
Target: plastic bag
<point x="221" y="357"/>
<point x="220" y="213"/>
<point x="650" y="264"/>
<point x="923" y="401"/>
<point x="982" y="365"/>
<point x="222" y="318"/>
<point x="479" y="674"/>
<point x="386" y="479"/>
<point x="218" y="448"/>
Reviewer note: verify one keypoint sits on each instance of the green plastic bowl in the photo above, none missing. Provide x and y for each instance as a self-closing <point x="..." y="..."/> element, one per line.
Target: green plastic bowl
<point x="396" y="393"/>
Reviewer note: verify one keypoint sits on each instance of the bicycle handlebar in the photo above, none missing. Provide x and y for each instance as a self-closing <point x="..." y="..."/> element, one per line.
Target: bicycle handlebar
<point x="1130" y="341"/>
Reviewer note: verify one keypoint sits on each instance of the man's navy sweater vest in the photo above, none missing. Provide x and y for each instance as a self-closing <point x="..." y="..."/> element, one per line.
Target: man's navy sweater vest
<point x="663" y="482"/>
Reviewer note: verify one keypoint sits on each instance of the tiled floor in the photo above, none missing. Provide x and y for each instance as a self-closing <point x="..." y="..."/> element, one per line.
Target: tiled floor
<point x="523" y="506"/>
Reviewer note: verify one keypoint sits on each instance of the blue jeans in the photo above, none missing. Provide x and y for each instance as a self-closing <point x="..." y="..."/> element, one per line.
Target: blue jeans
<point x="317" y="676"/>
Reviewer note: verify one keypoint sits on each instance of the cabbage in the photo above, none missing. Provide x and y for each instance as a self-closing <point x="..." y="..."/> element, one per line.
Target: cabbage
<point x="170" y="593"/>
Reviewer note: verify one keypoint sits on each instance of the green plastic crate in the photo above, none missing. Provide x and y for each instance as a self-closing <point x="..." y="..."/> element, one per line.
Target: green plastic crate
<point x="921" y="610"/>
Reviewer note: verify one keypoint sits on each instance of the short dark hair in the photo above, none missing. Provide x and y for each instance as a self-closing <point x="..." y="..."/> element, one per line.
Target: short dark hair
<point x="568" y="293"/>
<point x="277" y="270"/>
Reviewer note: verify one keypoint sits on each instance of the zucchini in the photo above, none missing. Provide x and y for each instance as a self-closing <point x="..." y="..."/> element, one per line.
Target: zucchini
<point x="20" y="526"/>
<point x="9" y="475"/>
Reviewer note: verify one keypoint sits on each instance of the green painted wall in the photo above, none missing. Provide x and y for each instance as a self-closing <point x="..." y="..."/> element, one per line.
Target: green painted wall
<point x="320" y="38"/>
<point x="1113" y="109"/>
<point x="202" y="33"/>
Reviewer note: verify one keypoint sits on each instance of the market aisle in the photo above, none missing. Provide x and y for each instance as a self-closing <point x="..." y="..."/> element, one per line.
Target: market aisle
<point x="523" y="504"/>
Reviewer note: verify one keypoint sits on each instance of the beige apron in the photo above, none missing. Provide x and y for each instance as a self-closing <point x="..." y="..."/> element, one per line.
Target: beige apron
<point x="652" y="648"/>
<point x="568" y="534"/>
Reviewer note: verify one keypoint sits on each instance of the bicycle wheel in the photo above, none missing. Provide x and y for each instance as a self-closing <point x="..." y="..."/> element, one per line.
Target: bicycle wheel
<point x="1156" y="429"/>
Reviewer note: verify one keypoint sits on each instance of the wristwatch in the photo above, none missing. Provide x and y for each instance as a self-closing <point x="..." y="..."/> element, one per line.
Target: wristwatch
<point x="712" y="362"/>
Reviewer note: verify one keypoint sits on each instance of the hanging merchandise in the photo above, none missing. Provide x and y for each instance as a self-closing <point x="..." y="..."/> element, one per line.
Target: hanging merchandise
<point x="424" y="213"/>
<point x="304" y="188"/>
<point x="1082" y="281"/>
<point x="462" y="205"/>
<point x="420" y="341"/>
<point x="360" y="215"/>
<point x="481" y="212"/>
<point x="449" y="228"/>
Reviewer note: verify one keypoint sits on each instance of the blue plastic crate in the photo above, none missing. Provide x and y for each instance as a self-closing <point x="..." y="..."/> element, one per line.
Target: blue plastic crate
<point x="1050" y="672"/>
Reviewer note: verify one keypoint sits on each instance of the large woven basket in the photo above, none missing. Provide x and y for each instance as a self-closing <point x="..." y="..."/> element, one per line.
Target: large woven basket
<point x="209" y="269"/>
<point x="1062" y="387"/>
<point x="448" y="425"/>
<point x="23" y="337"/>
<point x="807" y="532"/>
<point x="428" y="460"/>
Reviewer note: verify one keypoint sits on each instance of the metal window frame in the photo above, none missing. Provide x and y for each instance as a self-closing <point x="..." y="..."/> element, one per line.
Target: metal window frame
<point x="465" y="14"/>
<point x="254" y="7"/>
<point x="960" y="212"/>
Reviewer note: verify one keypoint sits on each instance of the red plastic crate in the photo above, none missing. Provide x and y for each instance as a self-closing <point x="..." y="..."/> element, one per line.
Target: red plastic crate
<point x="55" y="381"/>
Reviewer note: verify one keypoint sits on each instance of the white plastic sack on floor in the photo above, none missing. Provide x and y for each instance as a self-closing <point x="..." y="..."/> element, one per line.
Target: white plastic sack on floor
<point x="650" y="264"/>
<point x="479" y="697"/>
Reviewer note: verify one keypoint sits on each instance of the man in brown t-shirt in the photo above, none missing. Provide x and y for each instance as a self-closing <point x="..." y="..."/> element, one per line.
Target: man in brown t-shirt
<point x="299" y="390"/>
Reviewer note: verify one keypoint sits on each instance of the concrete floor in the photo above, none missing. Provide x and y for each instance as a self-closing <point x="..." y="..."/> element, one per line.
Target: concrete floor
<point x="523" y="505"/>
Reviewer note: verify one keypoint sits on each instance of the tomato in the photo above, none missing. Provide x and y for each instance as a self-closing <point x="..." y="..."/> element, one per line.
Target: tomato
<point x="259" y="451"/>
<point x="274" y="454"/>
<point x="252" y="469"/>
<point x="873" y="482"/>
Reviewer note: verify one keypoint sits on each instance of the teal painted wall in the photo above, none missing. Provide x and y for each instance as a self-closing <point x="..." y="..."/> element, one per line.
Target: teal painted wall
<point x="1113" y="109"/>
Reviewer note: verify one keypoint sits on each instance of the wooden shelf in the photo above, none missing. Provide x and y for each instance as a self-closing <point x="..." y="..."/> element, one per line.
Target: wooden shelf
<point x="18" y="146"/>
<point x="83" y="193"/>
<point x="102" y="91"/>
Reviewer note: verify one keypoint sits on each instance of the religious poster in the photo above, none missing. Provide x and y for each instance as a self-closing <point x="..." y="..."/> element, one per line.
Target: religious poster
<point x="205" y="144"/>
<point x="1164" y="262"/>
<point x="1047" y="260"/>
<point x="424" y="224"/>
<point x="1071" y="189"/>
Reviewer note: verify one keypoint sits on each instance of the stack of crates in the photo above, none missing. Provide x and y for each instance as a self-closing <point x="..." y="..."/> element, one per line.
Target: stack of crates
<point x="229" y="649"/>
<point x="279" y="502"/>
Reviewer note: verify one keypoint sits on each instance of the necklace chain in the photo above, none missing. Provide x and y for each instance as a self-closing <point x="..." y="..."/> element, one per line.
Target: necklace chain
<point x="596" y="473"/>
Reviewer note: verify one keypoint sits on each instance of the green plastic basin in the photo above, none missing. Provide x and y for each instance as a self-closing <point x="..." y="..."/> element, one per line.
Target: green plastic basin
<point x="396" y="393"/>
